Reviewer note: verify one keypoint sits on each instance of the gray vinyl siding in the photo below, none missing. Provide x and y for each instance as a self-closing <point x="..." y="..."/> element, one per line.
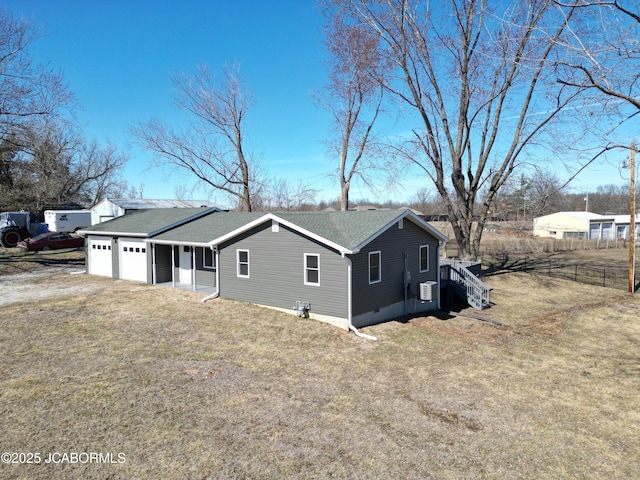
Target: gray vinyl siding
<point x="392" y="244"/>
<point x="149" y="254"/>
<point x="163" y="263"/>
<point x="276" y="272"/>
<point x="115" y="259"/>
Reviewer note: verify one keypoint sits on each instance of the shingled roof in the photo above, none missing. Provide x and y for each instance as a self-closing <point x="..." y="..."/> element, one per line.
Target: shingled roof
<point x="345" y="231"/>
<point x="146" y="223"/>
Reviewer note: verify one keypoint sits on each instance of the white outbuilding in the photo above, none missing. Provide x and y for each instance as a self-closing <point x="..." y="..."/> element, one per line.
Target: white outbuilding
<point x="111" y="208"/>
<point x="583" y="225"/>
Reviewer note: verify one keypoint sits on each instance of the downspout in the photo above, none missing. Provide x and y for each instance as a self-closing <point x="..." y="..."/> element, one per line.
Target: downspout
<point x="215" y="294"/>
<point x="349" y="301"/>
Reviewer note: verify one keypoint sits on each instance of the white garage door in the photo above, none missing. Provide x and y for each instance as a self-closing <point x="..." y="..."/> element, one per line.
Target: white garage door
<point x="99" y="251"/>
<point x="133" y="260"/>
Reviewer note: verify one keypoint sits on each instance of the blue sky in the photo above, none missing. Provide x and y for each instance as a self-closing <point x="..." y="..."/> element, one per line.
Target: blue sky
<point x="117" y="56"/>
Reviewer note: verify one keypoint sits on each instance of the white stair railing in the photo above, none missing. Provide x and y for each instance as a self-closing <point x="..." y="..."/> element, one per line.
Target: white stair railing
<point x="471" y="288"/>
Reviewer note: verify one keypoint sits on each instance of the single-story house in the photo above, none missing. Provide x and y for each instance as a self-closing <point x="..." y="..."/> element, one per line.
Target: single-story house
<point x="115" y="207"/>
<point x="583" y="225"/>
<point x="117" y="248"/>
<point x="350" y="269"/>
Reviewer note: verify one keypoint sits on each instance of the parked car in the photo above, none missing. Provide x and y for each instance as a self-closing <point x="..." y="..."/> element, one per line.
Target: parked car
<point x="51" y="240"/>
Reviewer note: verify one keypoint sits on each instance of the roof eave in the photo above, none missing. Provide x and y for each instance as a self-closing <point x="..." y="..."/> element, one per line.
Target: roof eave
<point x="84" y="233"/>
<point x="413" y="217"/>
<point x="179" y="243"/>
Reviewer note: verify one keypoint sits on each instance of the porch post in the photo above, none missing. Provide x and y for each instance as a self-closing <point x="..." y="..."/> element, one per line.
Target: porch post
<point x="153" y="264"/>
<point x="173" y="266"/>
<point x="193" y="267"/>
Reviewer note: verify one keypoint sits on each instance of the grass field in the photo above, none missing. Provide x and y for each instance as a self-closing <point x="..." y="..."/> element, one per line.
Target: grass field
<point x="227" y="390"/>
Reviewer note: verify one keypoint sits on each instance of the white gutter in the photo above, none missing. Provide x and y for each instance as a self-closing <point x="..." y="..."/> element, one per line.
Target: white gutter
<point x="182" y="244"/>
<point x="349" y="298"/>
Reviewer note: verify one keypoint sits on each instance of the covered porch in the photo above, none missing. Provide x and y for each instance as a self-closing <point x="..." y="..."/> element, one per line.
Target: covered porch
<point x="185" y="266"/>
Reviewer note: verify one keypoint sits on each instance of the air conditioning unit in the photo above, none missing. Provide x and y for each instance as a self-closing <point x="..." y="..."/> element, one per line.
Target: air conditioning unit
<point x="428" y="291"/>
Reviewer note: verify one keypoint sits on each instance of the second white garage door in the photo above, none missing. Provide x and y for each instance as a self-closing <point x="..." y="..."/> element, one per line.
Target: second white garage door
<point x="133" y="260"/>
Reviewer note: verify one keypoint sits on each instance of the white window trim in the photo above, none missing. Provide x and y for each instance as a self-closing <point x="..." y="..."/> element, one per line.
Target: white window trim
<point x="204" y="259"/>
<point x="238" y="263"/>
<point x="420" y="258"/>
<point x="306" y="269"/>
<point x="379" y="267"/>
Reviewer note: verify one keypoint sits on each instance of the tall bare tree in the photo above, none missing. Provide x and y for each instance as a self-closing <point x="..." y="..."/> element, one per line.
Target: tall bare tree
<point x="27" y="90"/>
<point x="603" y="52"/>
<point x="213" y="147"/>
<point x="353" y="96"/>
<point x="478" y="75"/>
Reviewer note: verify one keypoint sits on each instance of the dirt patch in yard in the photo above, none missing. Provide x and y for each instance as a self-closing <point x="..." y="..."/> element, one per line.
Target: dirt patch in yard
<point x="37" y="285"/>
<point x="26" y="276"/>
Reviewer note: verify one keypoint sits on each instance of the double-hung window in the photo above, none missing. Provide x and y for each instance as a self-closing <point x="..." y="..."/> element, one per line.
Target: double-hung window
<point x="243" y="263"/>
<point x="311" y="269"/>
<point x="424" y="258"/>
<point x="375" y="267"/>
<point x="209" y="260"/>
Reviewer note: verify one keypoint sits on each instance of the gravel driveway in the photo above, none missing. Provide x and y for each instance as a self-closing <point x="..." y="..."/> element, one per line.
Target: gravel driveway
<point x="37" y="285"/>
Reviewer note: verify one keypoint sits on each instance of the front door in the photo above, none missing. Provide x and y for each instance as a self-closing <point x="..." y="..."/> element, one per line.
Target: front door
<point x="185" y="264"/>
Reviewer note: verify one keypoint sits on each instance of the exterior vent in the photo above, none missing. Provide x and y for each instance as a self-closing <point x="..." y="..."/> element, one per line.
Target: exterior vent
<point x="428" y="291"/>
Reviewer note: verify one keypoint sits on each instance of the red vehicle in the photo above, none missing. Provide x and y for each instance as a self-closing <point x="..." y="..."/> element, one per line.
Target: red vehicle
<point x="51" y="240"/>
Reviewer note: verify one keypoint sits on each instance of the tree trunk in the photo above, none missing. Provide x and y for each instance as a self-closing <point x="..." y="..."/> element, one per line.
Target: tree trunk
<point x="344" y="196"/>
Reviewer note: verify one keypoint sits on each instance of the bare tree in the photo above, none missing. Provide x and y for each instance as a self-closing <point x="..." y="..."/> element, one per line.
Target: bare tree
<point x="54" y="165"/>
<point x="353" y="96"/>
<point x="479" y="77"/>
<point x="27" y="90"/>
<point x="214" y="145"/>
<point x="603" y="52"/>
<point x="284" y="196"/>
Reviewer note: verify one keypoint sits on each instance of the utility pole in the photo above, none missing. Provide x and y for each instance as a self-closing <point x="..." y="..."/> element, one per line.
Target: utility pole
<point x="632" y="220"/>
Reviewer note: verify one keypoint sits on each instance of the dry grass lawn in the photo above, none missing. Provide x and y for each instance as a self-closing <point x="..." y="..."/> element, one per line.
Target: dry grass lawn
<point x="227" y="390"/>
